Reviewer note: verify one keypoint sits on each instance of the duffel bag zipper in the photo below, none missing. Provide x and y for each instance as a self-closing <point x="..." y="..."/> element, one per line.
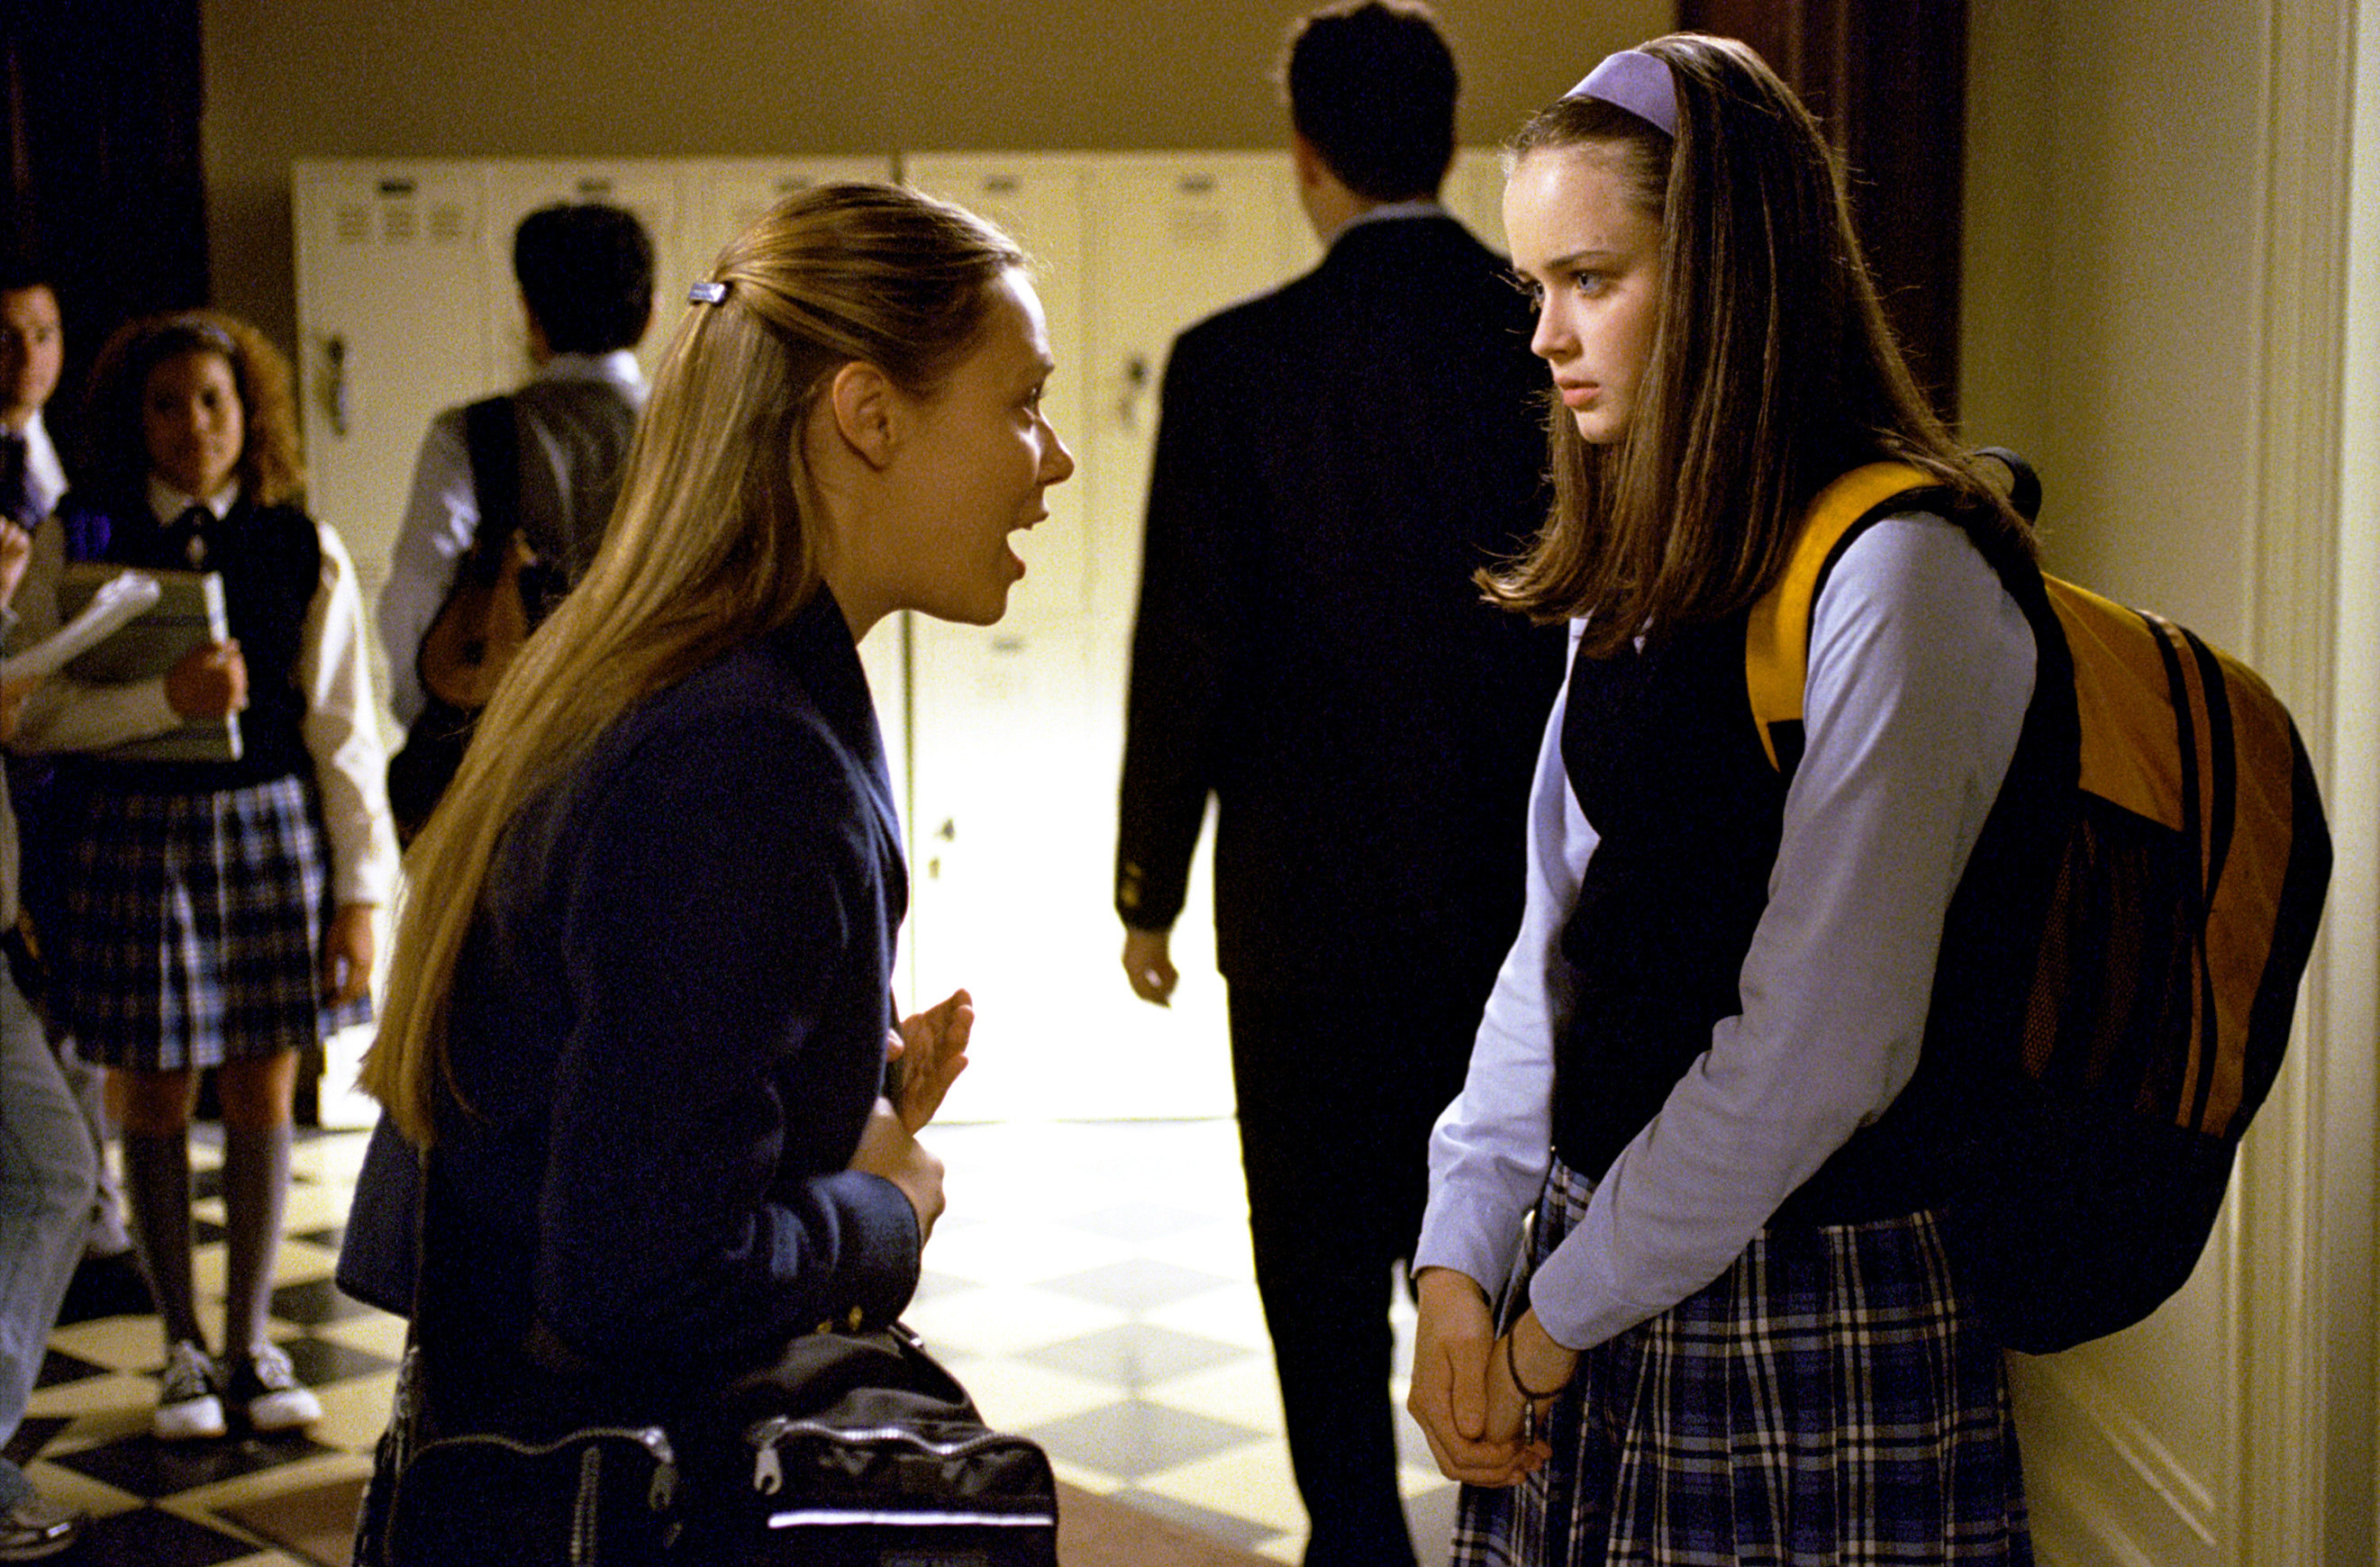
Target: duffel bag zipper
<point x="768" y="1469"/>
<point x="652" y="1438"/>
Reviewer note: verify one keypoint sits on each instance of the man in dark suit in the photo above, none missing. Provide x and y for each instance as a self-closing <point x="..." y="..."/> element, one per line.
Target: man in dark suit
<point x="1335" y="460"/>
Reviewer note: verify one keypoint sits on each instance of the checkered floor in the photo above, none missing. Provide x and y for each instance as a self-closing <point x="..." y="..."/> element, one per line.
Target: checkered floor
<point x="1090" y="1284"/>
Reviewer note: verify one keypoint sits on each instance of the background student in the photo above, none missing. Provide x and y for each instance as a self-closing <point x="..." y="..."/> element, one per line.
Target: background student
<point x="48" y="1170"/>
<point x="1335" y="459"/>
<point x="586" y="275"/>
<point x="217" y="913"/>
<point x="32" y="476"/>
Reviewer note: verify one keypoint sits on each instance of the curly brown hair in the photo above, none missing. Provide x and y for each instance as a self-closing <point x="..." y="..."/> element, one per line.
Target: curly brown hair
<point x="270" y="470"/>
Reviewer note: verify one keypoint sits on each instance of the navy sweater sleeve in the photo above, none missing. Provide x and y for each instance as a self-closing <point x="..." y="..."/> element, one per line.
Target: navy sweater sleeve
<point x="722" y="933"/>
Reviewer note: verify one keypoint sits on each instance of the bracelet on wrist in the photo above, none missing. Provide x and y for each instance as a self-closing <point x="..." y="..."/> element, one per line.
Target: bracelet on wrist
<point x="1513" y="1365"/>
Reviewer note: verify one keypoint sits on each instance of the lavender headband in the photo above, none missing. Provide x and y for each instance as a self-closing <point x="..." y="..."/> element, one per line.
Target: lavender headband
<point x="1637" y="82"/>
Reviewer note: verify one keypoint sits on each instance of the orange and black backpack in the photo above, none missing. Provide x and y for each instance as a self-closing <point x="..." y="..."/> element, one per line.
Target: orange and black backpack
<point x="2138" y="923"/>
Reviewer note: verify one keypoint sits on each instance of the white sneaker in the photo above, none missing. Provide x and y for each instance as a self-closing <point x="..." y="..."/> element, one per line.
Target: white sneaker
<point x="269" y="1394"/>
<point x="188" y="1407"/>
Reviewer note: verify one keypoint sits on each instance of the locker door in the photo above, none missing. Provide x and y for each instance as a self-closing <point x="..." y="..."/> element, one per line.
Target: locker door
<point x="652" y="189"/>
<point x="1175" y="238"/>
<point x="1475" y="192"/>
<point x="1011" y="802"/>
<point x="1017" y="733"/>
<point x="391" y="326"/>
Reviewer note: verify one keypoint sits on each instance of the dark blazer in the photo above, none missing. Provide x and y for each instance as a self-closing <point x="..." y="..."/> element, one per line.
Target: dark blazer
<point x="668" y="1027"/>
<point x="1335" y="460"/>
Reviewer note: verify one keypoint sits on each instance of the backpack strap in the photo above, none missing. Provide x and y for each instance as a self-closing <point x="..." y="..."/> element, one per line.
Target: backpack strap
<point x="491" y="434"/>
<point x="1776" y="645"/>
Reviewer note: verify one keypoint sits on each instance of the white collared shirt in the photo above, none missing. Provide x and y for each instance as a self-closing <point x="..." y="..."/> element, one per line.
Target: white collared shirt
<point x="45" y="476"/>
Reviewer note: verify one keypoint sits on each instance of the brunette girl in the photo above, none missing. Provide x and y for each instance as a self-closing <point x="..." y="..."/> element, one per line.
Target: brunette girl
<point x="1700" y="1064"/>
<point x="218" y="913"/>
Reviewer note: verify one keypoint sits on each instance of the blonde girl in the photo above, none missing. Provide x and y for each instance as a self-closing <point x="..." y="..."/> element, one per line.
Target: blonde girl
<point x="640" y="1003"/>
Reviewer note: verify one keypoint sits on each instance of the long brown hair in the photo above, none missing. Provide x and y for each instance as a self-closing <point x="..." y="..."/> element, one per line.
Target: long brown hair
<point x="711" y="543"/>
<point x="1772" y="370"/>
<point x="117" y="454"/>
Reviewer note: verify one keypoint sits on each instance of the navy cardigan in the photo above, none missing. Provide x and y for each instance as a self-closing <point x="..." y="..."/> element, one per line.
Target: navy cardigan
<point x="668" y="1030"/>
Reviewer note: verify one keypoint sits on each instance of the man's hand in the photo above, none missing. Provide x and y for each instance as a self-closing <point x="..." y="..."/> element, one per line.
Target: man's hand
<point x="1149" y="965"/>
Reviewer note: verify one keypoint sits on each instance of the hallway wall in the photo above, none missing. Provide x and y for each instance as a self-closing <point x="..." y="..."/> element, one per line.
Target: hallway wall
<point x="2154" y="274"/>
<point x="296" y="78"/>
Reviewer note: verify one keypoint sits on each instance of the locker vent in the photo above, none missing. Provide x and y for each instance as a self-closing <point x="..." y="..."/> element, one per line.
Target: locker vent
<point x="447" y="223"/>
<point x="399" y="223"/>
<point x="352" y="226"/>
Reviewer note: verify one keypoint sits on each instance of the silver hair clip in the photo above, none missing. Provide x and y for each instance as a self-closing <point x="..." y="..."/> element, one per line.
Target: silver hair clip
<point x="706" y="294"/>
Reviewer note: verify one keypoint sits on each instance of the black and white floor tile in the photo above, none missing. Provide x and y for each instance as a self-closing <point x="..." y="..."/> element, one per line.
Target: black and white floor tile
<point x="1090" y="1284"/>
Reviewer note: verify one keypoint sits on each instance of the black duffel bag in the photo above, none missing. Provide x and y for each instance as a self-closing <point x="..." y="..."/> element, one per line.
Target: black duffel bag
<point x="850" y="1450"/>
<point x="859" y="1449"/>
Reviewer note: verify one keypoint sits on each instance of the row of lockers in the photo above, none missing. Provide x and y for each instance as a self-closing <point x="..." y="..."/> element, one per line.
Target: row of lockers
<point x="1004" y="742"/>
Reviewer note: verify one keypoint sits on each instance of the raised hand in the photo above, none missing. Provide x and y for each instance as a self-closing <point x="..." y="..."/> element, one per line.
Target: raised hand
<point x="931" y="1048"/>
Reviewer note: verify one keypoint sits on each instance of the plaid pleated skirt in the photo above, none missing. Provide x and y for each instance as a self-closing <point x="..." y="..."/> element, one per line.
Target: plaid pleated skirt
<point x="193" y="925"/>
<point x="1828" y="1402"/>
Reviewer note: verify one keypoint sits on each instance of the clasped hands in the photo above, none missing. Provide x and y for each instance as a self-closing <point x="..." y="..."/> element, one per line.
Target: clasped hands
<point x="1474" y="1414"/>
<point x="931" y="1048"/>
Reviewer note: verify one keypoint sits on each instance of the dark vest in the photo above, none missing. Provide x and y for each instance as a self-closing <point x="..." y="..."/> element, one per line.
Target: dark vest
<point x="270" y="560"/>
<point x="574" y="441"/>
<point x="1662" y="754"/>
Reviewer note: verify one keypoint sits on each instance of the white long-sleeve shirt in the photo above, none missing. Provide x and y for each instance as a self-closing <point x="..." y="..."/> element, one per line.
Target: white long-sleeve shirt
<point x="1921" y="669"/>
<point x="342" y="734"/>
<point x="45" y="476"/>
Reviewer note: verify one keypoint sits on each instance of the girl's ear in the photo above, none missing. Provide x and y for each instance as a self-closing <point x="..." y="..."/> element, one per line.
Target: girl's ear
<point x="866" y="411"/>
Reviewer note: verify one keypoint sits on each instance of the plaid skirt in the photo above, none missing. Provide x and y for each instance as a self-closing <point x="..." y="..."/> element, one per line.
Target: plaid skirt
<point x="1827" y="1402"/>
<point x="192" y="926"/>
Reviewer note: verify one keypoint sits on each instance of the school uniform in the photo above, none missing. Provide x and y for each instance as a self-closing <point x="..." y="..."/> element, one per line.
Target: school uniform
<point x="39" y="477"/>
<point x="667" y="1033"/>
<point x="196" y="893"/>
<point x="1702" y="1062"/>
